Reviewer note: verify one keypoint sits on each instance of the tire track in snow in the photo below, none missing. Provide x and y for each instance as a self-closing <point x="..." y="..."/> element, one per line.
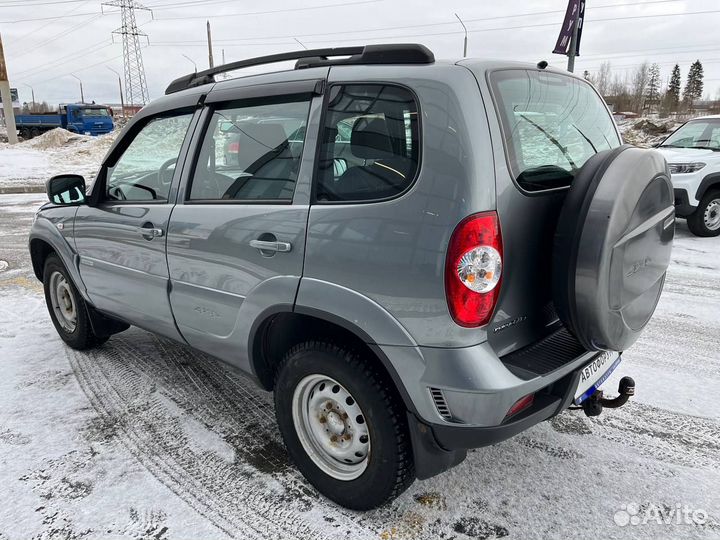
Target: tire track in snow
<point x="137" y="381"/>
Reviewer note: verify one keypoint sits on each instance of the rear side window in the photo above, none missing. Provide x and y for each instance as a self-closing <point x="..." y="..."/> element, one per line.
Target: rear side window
<point x="552" y="124"/>
<point x="252" y="152"/>
<point x="370" y="143"/>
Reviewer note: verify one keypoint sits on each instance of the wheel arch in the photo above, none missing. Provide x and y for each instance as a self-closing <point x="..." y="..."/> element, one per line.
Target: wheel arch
<point x="278" y="330"/>
<point x="710" y="182"/>
<point x="39" y="251"/>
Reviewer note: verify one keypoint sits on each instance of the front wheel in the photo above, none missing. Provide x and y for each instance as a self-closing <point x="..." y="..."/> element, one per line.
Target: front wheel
<point x="343" y="425"/>
<point x="705" y="220"/>
<point x="67" y="308"/>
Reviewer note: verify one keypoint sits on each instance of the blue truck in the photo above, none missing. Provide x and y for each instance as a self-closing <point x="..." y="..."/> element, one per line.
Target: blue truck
<point x="88" y="119"/>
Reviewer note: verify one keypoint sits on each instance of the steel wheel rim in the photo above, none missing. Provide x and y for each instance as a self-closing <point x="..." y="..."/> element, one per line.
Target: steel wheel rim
<point x="63" y="302"/>
<point x="712" y="215"/>
<point x="331" y="427"/>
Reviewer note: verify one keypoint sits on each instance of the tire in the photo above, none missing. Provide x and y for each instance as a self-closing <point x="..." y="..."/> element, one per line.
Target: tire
<point x="612" y="247"/>
<point x="364" y="402"/>
<point x="705" y="220"/>
<point x="71" y="321"/>
<point x="34" y="132"/>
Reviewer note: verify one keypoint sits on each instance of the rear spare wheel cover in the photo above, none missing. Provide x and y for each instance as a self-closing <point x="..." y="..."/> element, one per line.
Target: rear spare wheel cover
<point x="612" y="247"/>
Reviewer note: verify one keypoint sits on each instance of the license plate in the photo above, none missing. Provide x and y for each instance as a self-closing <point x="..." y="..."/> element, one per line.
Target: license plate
<point x="595" y="373"/>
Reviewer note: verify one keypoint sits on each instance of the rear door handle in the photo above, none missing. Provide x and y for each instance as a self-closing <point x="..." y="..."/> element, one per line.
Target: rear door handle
<point x="264" y="245"/>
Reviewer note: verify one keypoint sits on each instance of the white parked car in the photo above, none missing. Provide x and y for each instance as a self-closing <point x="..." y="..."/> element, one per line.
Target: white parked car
<point x="693" y="152"/>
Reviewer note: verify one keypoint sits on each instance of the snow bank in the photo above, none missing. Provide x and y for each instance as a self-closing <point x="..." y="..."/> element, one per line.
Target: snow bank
<point x="54" y="152"/>
<point x="646" y="132"/>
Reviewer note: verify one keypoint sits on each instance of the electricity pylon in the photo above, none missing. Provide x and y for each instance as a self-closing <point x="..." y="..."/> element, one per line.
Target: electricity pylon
<point x="136" y="92"/>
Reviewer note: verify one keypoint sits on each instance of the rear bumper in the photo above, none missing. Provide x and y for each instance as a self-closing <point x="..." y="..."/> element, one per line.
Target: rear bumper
<point x="472" y="387"/>
<point x="462" y="397"/>
<point x="439" y="447"/>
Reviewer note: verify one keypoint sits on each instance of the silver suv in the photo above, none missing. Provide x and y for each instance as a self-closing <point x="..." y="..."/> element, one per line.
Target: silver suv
<point x="418" y="257"/>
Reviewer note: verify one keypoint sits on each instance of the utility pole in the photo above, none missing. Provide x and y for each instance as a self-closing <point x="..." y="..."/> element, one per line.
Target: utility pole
<point x="573" y="41"/>
<point x="466" y="34"/>
<point x="32" y="92"/>
<point x="7" y="99"/>
<point x="82" y="96"/>
<point x="210" y="57"/>
<point x="122" y="101"/>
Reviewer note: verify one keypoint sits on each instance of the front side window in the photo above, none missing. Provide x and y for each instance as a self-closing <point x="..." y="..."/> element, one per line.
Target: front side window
<point x="252" y="152"/>
<point x="145" y="169"/>
<point x="370" y="143"/>
<point x="703" y="134"/>
<point x="552" y="124"/>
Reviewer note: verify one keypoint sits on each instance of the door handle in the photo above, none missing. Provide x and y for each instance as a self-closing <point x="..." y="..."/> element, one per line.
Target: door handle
<point x="149" y="232"/>
<point x="264" y="245"/>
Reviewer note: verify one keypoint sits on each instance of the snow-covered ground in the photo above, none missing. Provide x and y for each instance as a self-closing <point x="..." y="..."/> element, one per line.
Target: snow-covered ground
<point x="58" y="151"/>
<point x="145" y="438"/>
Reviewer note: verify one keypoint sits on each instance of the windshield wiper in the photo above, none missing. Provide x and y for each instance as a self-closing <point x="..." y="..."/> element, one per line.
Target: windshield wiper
<point x="552" y="140"/>
<point x="585" y="137"/>
<point x="714" y="149"/>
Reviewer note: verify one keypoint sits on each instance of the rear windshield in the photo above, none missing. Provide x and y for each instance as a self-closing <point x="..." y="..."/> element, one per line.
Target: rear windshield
<point x="552" y="124"/>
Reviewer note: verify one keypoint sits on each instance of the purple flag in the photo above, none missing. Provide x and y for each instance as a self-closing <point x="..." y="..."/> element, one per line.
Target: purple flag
<point x="563" y="42"/>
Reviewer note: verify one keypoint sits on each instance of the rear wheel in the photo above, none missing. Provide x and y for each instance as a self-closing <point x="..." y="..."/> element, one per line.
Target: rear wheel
<point x="34" y="132"/>
<point x="343" y="425"/>
<point x="67" y="308"/>
<point x="705" y="221"/>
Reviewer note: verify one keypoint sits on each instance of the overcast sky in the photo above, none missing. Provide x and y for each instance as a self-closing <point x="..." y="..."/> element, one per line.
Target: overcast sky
<point x="46" y="40"/>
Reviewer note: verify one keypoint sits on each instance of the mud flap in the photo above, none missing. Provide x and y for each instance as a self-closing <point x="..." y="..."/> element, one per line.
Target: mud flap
<point x="102" y="325"/>
<point x="430" y="458"/>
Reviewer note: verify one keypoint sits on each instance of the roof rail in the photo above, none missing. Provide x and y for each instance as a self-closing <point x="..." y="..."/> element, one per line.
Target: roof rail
<point x="369" y="54"/>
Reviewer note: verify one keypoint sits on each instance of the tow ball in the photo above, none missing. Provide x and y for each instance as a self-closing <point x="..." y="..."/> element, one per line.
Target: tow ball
<point x="593" y="405"/>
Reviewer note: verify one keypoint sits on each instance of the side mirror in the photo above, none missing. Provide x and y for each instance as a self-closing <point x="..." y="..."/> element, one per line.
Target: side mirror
<point x="66" y="189"/>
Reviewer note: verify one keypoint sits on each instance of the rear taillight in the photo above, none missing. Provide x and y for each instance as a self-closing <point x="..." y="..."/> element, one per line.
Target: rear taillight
<point x="233" y="147"/>
<point x="473" y="269"/>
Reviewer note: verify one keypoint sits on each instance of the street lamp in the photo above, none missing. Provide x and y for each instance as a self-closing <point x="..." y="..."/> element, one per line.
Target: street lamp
<point x="33" y="95"/>
<point x="464" y="42"/>
<point x="82" y="96"/>
<point x="193" y="61"/>
<point x="122" y="101"/>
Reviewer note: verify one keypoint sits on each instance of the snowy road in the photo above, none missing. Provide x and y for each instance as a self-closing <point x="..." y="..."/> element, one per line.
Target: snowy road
<point x="145" y="438"/>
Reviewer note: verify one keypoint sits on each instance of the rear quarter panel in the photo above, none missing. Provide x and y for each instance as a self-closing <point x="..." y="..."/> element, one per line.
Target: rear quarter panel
<point x="393" y="252"/>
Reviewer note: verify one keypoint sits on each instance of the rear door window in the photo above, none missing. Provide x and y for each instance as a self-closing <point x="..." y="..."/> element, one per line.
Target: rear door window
<point x="370" y="143"/>
<point x="252" y="152"/>
<point x="551" y="123"/>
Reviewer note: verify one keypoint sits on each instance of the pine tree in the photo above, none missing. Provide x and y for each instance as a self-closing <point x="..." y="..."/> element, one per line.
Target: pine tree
<point x="672" y="94"/>
<point x="653" y="86"/>
<point x="694" y="85"/>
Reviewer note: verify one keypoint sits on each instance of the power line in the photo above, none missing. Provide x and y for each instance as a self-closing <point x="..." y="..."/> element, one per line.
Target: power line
<point x="67" y="58"/>
<point x="63" y="33"/>
<point x="269" y="12"/>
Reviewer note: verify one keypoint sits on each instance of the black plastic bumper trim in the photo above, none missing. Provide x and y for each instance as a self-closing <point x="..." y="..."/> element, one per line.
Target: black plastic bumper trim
<point x="682" y="203"/>
<point x="463" y="438"/>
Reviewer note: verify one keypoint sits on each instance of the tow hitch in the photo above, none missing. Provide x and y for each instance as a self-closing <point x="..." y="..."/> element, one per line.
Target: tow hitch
<point x="593" y="405"/>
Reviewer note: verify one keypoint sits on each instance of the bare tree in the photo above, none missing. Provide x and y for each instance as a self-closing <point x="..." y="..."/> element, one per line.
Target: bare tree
<point x="603" y="80"/>
<point x="638" y="86"/>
